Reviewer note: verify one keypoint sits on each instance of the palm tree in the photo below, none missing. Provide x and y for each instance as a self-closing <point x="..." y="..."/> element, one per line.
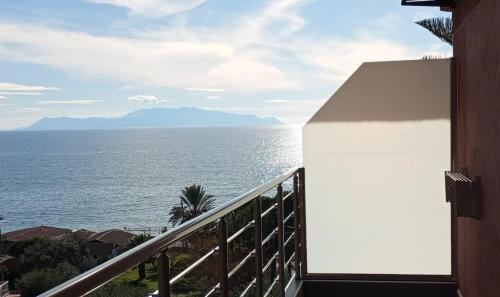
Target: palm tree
<point x="138" y="240"/>
<point x="440" y="27"/>
<point x="193" y="202"/>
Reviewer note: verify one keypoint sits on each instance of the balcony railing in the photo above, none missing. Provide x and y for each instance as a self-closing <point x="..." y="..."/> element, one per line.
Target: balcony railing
<point x="285" y="261"/>
<point x="4" y="289"/>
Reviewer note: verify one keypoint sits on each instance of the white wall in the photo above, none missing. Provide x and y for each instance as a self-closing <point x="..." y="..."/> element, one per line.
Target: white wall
<point x="374" y="157"/>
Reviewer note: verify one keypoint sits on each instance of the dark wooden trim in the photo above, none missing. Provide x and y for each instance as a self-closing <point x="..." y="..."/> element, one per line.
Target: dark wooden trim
<point x="303" y="231"/>
<point x="163" y="275"/>
<point x="323" y="288"/>
<point x="303" y="224"/>
<point x="429" y="3"/>
<point x="259" y="284"/>
<point x="223" y="258"/>
<point x="378" y="277"/>
<point x="454" y="161"/>
<point x="296" y="228"/>
<point x="281" y="245"/>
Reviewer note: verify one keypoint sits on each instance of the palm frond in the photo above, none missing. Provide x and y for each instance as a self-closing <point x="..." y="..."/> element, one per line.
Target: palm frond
<point x="440" y="27"/>
<point x="193" y="202"/>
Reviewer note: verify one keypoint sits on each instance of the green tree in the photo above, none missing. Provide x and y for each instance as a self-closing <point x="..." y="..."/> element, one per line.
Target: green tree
<point x="45" y="253"/>
<point x="38" y="281"/>
<point x="193" y="202"/>
<point x="138" y="240"/>
<point x="4" y="274"/>
<point x="440" y="27"/>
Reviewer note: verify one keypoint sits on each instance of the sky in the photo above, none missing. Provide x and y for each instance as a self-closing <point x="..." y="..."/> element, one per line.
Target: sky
<point x="280" y="58"/>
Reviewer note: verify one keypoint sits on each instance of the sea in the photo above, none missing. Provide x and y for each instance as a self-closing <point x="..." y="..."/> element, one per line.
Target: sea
<point x="130" y="178"/>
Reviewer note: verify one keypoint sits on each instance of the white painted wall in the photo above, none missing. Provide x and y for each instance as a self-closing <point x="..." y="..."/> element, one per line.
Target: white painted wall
<point x="374" y="158"/>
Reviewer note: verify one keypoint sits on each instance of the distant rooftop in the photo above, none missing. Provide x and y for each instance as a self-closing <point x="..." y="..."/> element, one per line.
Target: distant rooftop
<point x="83" y="234"/>
<point x="114" y="236"/>
<point x="48" y="232"/>
<point x="117" y="236"/>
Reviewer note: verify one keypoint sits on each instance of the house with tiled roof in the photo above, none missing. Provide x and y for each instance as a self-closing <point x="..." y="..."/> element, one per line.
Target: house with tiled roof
<point x="83" y="234"/>
<point x="119" y="237"/>
<point x="47" y="232"/>
<point x="105" y="245"/>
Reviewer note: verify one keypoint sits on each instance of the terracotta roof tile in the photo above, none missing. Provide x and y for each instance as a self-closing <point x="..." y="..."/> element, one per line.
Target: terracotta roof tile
<point x="37" y="232"/>
<point x="119" y="237"/>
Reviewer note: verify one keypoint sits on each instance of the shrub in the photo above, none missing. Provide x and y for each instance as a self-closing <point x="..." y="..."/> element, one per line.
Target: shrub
<point x="38" y="281"/>
<point x="43" y="253"/>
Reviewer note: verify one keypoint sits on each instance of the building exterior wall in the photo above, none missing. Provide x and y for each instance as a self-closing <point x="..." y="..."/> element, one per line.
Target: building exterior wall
<point x="477" y="52"/>
<point x="374" y="157"/>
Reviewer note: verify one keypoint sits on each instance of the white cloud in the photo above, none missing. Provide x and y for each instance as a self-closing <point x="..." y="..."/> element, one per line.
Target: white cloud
<point x="277" y="19"/>
<point x="77" y="102"/>
<point x="249" y="74"/>
<point x="35" y="108"/>
<point x="213" y="97"/>
<point x="28" y="110"/>
<point x="129" y="87"/>
<point x="180" y="62"/>
<point x="21" y="93"/>
<point x="337" y="59"/>
<point x="206" y="90"/>
<point x="153" y="8"/>
<point x="147" y="99"/>
<point x="259" y="52"/>
<point x="24" y="88"/>
<point x="3" y="97"/>
<point x="277" y="101"/>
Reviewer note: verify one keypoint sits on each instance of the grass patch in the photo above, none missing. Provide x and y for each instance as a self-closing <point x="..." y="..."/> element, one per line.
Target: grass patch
<point x="132" y="276"/>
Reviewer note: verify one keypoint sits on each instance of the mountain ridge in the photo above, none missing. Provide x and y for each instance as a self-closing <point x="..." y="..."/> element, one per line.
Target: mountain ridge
<point x="155" y="118"/>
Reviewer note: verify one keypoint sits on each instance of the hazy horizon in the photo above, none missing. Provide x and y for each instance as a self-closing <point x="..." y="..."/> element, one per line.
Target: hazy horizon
<point x="155" y="118"/>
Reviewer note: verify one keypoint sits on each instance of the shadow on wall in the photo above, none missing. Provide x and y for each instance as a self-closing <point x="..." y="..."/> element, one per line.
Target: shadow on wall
<point x="387" y="95"/>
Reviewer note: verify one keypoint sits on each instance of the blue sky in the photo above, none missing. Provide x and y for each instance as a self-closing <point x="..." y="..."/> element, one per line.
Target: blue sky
<point x="279" y="58"/>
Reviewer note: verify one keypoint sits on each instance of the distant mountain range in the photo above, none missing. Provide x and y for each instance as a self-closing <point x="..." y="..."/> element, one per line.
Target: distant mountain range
<point x="156" y="118"/>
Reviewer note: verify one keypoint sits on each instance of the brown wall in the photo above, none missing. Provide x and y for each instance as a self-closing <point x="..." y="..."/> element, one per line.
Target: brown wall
<point x="477" y="50"/>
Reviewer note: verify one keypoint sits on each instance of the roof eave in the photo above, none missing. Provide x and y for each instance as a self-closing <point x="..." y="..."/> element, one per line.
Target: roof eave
<point x="443" y="4"/>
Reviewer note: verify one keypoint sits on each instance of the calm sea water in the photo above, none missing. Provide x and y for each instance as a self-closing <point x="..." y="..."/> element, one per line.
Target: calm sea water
<point x="101" y="179"/>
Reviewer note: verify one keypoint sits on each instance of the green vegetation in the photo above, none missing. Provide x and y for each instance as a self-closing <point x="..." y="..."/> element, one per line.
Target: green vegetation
<point x="4" y="274"/>
<point x="46" y="263"/>
<point x="38" y="281"/>
<point x="121" y="289"/>
<point x="44" y="253"/>
<point x="138" y="240"/>
<point x="131" y="278"/>
<point x="193" y="202"/>
<point x="440" y="27"/>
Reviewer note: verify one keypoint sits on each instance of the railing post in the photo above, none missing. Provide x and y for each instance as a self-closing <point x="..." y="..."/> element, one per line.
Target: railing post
<point x="281" y="249"/>
<point x="296" y="226"/>
<point x="302" y="207"/>
<point x="258" y="247"/>
<point x="163" y="275"/>
<point x="223" y="258"/>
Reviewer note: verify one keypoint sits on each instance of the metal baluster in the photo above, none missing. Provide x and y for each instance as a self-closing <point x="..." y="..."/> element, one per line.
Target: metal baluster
<point x="163" y="275"/>
<point x="223" y="258"/>
<point x="258" y="247"/>
<point x="281" y="250"/>
<point x="302" y="207"/>
<point x="296" y="225"/>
